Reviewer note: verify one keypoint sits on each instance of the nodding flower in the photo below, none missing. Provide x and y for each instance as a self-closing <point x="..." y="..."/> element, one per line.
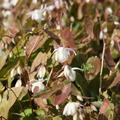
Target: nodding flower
<point x="37" y="14"/>
<point x="39" y="85"/>
<point x="61" y="54"/>
<point x="41" y="72"/>
<point x="69" y="72"/>
<point x="71" y="108"/>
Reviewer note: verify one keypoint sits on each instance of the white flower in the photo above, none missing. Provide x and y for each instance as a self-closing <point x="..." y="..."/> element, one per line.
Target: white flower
<point x="101" y="35"/>
<point x="13" y="73"/>
<point x="69" y="73"/>
<point x="14" y="2"/>
<point x="87" y="1"/>
<point x="61" y="54"/>
<point x="6" y="24"/>
<point x="58" y="3"/>
<point x="18" y="83"/>
<point x="34" y="1"/>
<point x="38" y="84"/>
<point x="41" y="71"/>
<point x="105" y="30"/>
<point x="19" y="70"/>
<point x="37" y="14"/>
<point x="6" y="13"/>
<point x="6" y="4"/>
<point x="109" y="10"/>
<point x="50" y="8"/>
<point x="71" y="108"/>
<point x="116" y="23"/>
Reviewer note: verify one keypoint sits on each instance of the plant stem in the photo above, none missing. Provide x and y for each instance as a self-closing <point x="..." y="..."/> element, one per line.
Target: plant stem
<point x="101" y="70"/>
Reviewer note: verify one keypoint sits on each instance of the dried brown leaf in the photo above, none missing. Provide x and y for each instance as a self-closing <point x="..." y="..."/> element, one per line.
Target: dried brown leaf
<point x="67" y="38"/>
<point x="64" y="93"/>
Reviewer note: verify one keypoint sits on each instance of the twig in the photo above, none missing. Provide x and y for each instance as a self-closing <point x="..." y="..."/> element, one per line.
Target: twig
<point x="117" y="64"/>
<point x="1" y="117"/>
<point x="101" y="70"/>
<point x="50" y="75"/>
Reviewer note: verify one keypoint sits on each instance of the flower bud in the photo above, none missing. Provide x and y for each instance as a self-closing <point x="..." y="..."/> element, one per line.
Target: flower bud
<point x="71" y="108"/>
<point x="19" y="70"/>
<point x="13" y="72"/>
<point x="18" y="83"/>
<point x="38" y="84"/>
<point x="41" y="72"/>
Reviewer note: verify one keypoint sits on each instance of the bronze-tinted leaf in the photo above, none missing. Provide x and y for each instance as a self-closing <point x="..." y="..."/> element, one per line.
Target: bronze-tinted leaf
<point x="96" y="65"/>
<point x="67" y="38"/>
<point x="116" y="81"/>
<point x="34" y="43"/>
<point x="109" y="59"/>
<point x="104" y="106"/>
<point x="64" y="93"/>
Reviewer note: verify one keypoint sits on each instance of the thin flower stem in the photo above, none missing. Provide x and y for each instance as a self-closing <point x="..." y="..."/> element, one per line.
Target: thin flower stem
<point x="2" y="118"/>
<point x="116" y="66"/>
<point x="50" y="75"/>
<point x="101" y="70"/>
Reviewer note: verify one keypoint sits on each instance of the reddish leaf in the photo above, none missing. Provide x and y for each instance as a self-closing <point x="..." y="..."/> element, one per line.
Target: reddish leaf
<point x="63" y="95"/>
<point x="104" y="106"/>
<point x="109" y="59"/>
<point x="116" y="81"/>
<point x="33" y="44"/>
<point x="89" y="26"/>
<point x="67" y="40"/>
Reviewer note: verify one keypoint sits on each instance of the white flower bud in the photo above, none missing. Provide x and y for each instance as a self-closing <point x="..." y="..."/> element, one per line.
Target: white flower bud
<point x="14" y="2"/>
<point x="6" y="4"/>
<point x="79" y="98"/>
<point x="105" y="30"/>
<point x="71" y="108"/>
<point x="18" y="83"/>
<point x="101" y="35"/>
<point x="37" y="14"/>
<point x="41" y="71"/>
<point x="109" y="10"/>
<point x="34" y="1"/>
<point x="58" y="4"/>
<point x="11" y="54"/>
<point x="19" y="70"/>
<point x="13" y="72"/>
<point x="38" y="84"/>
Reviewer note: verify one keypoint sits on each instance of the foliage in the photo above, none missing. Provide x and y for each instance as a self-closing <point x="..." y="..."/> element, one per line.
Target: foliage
<point x="85" y="33"/>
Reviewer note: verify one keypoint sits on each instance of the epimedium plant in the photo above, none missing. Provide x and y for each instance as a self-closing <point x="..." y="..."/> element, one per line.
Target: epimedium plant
<point x="59" y="59"/>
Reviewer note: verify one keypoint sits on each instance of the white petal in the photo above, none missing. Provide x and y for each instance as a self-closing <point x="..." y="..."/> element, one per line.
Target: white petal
<point x="38" y="84"/>
<point x="18" y="83"/>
